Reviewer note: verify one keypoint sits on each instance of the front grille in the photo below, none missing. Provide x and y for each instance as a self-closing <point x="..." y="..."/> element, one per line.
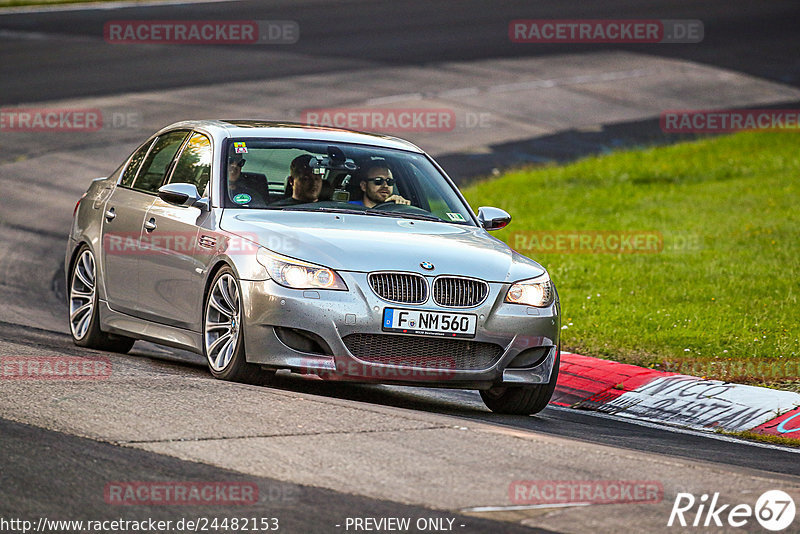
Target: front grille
<point x="403" y="288"/>
<point x="425" y="352"/>
<point x="455" y="292"/>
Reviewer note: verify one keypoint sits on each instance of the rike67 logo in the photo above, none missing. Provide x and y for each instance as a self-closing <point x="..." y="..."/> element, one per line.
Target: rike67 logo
<point x="774" y="510"/>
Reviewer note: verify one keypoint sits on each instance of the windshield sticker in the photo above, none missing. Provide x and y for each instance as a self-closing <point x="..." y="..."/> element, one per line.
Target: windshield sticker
<point x="455" y="217"/>
<point x="242" y="198"/>
<point x="240" y="147"/>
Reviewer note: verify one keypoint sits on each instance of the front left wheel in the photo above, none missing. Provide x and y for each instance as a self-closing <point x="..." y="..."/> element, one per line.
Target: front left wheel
<point x="223" y="335"/>
<point x="84" y="313"/>
<point x="522" y="400"/>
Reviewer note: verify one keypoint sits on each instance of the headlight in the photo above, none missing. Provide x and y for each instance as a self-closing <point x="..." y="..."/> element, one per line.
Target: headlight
<point x="533" y="292"/>
<point x="298" y="274"/>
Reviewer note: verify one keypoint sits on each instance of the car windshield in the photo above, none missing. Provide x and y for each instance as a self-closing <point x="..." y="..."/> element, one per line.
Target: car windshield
<point x="325" y="177"/>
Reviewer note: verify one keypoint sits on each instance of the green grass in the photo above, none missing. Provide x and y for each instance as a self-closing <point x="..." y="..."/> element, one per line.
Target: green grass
<point x="725" y="286"/>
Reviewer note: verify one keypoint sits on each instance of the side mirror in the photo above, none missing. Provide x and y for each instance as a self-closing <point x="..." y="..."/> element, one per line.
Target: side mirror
<point x="184" y="195"/>
<point x="493" y="218"/>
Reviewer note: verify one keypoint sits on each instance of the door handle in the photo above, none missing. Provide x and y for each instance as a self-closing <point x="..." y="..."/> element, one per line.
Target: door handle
<point x="110" y="214"/>
<point x="150" y="225"/>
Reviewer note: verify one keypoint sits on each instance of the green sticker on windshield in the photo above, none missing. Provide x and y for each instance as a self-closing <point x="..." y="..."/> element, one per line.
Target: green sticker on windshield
<point x="455" y="217"/>
<point x="242" y="198"/>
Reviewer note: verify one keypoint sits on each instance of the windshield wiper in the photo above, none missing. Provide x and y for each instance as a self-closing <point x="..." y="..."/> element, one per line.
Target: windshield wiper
<point x="326" y="210"/>
<point x="371" y="213"/>
<point x="394" y="214"/>
<point x="417" y="216"/>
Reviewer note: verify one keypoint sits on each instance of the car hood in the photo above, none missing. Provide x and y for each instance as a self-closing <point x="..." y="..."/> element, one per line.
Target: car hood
<point x="353" y="242"/>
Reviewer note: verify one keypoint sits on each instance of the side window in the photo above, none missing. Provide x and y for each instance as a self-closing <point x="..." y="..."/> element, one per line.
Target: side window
<point x="135" y="163"/>
<point x="157" y="163"/>
<point x="194" y="164"/>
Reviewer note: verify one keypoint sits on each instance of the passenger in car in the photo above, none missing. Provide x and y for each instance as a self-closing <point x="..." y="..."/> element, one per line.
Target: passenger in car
<point x="305" y="185"/>
<point x="246" y="188"/>
<point x="377" y="184"/>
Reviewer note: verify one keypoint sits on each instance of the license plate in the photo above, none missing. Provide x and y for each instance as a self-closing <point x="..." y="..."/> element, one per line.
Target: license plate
<point x="429" y="323"/>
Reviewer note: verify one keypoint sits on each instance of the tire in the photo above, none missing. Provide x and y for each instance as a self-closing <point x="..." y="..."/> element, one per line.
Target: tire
<point x="522" y="400"/>
<point x="223" y="332"/>
<point x="84" y="318"/>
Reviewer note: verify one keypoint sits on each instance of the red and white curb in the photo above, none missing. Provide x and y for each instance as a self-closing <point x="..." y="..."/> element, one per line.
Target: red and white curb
<point x="687" y="401"/>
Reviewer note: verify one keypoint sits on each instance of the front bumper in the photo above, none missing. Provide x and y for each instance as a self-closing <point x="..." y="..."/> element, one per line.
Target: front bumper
<point x="337" y="317"/>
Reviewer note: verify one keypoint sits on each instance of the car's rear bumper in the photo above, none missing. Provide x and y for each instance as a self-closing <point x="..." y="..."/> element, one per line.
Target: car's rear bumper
<point x="353" y="346"/>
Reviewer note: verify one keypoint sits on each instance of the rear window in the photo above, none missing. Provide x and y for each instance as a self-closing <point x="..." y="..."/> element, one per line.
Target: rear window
<point x="158" y="161"/>
<point x="135" y="162"/>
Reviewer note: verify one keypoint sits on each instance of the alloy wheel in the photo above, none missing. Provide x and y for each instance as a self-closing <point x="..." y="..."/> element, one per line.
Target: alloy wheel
<point x="82" y="295"/>
<point x="223" y="322"/>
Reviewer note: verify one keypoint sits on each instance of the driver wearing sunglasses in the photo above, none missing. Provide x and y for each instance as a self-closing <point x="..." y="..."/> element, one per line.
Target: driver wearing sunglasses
<point x="377" y="184"/>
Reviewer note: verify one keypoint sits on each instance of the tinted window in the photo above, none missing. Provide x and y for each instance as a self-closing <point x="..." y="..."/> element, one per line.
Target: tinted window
<point x="135" y="163"/>
<point x="158" y="160"/>
<point x="194" y="164"/>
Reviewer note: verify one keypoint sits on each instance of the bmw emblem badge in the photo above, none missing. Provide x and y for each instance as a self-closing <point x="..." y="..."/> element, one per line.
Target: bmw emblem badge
<point x="428" y="266"/>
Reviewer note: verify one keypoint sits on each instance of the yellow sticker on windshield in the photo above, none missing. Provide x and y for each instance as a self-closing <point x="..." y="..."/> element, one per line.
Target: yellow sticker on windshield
<point x="240" y="147"/>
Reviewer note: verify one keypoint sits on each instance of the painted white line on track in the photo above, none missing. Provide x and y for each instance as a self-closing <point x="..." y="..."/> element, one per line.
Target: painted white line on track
<point x="30" y="36"/>
<point x="41" y="36"/>
<point x="456" y="93"/>
<point x="523" y="507"/>
<point x="96" y="6"/>
<point x="395" y="98"/>
<point x="669" y="428"/>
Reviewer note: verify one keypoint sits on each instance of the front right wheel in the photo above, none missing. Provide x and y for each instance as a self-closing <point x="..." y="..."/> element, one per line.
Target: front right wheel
<point x="522" y="400"/>
<point x="223" y="332"/>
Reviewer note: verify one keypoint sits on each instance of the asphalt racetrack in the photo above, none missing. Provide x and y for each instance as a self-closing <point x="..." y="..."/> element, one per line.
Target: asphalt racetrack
<point x="322" y="453"/>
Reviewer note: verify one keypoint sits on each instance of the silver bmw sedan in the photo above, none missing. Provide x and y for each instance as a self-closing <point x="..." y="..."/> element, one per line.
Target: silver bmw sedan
<point x="348" y="256"/>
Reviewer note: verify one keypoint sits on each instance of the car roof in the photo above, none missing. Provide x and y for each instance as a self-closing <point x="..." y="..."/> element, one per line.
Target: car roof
<point x="292" y="130"/>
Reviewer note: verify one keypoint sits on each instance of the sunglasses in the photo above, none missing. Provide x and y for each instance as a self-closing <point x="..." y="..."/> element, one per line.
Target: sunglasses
<point x="234" y="161"/>
<point x="380" y="181"/>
